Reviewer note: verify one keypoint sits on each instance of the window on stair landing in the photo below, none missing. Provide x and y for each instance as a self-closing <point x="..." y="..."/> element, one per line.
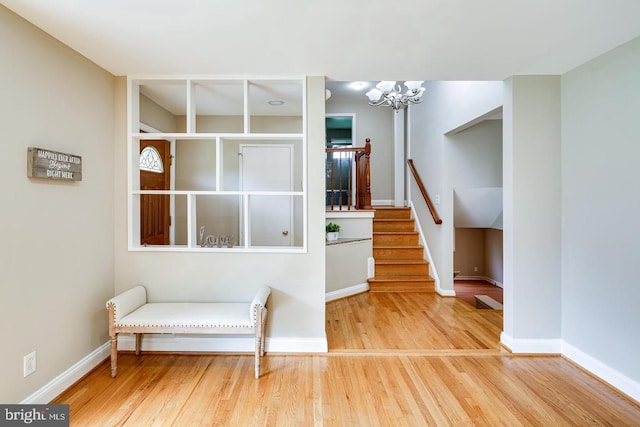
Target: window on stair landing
<point x="234" y="154"/>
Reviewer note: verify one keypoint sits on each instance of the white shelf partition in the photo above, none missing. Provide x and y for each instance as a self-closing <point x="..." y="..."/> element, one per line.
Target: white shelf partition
<point x="165" y="95"/>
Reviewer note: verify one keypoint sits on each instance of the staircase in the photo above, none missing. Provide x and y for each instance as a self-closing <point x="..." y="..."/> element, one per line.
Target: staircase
<point x="400" y="263"/>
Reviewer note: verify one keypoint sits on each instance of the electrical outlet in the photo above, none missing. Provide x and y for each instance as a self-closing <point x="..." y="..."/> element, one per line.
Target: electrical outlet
<point x="475" y="269"/>
<point x="30" y="363"/>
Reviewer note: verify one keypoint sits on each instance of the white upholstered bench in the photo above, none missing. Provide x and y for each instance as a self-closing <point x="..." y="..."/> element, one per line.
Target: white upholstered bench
<point x="129" y="312"/>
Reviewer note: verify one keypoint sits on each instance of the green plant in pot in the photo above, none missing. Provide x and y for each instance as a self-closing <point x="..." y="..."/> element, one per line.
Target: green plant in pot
<point x="333" y="231"/>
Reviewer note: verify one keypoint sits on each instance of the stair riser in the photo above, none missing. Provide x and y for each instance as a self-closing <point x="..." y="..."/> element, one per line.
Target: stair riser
<point x="408" y="271"/>
<point x="395" y="239"/>
<point x="402" y="287"/>
<point x="392" y="214"/>
<point x="385" y="271"/>
<point x="398" y="253"/>
<point x="388" y="226"/>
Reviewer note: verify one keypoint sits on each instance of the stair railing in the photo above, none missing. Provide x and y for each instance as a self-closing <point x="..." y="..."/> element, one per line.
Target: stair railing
<point x="343" y="166"/>
<point x="423" y="190"/>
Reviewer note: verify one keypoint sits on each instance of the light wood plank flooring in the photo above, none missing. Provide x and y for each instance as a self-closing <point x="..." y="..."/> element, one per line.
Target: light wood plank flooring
<point x="404" y="371"/>
<point x="410" y="321"/>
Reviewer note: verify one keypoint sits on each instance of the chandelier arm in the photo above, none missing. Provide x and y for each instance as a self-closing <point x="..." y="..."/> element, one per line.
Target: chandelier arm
<point x="396" y="99"/>
<point x="382" y="100"/>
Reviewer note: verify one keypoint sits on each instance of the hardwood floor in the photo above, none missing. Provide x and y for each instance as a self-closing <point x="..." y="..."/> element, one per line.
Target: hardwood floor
<point x="466" y="289"/>
<point x="394" y="360"/>
<point x="421" y="322"/>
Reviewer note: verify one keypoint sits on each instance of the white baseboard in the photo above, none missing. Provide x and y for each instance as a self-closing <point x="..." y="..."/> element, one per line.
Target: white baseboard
<point x="445" y="292"/>
<point x="201" y="343"/>
<point x="312" y="345"/>
<point x="495" y="282"/>
<point x="532" y="346"/>
<point x="63" y="381"/>
<point x="483" y="278"/>
<point x="346" y="292"/>
<point x="297" y="345"/>
<point x="592" y="365"/>
<point x="607" y="374"/>
<point x="170" y="342"/>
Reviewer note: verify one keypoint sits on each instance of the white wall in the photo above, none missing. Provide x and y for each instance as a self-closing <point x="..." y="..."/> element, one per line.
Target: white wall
<point x="494" y="256"/>
<point x="476" y="156"/>
<point x="600" y="214"/>
<point x="56" y="256"/>
<point x="476" y="174"/>
<point x="347" y="265"/>
<point x="375" y="123"/>
<point x="151" y="114"/>
<point x="531" y="170"/>
<point x="298" y="280"/>
<point x="447" y="106"/>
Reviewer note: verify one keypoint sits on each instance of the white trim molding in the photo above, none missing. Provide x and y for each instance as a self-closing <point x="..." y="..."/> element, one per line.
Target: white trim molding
<point x="531" y="346"/>
<point x="444" y="292"/>
<point x="63" y="381"/>
<point x="607" y="374"/>
<point x="484" y="278"/>
<point x="346" y="292"/>
<point x="195" y="343"/>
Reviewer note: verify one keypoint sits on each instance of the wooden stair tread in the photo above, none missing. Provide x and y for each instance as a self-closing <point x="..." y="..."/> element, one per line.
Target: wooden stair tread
<point x="399" y="247"/>
<point x="393" y="233"/>
<point x="397" y="261"/>
<point x="399" y="278"/>
<point x="399" y="257"/>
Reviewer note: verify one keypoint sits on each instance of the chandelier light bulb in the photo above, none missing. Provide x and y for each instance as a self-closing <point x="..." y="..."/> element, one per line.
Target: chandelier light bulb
<point x="386" y="86"/>
<point x="387" y="93"/>
<point x="374" y="95"/>
<point x="413" y="85"/>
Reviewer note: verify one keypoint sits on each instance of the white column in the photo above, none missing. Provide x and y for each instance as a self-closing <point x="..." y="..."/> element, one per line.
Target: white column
<point x="398" y="158"/>
<point x="532" y="214"/>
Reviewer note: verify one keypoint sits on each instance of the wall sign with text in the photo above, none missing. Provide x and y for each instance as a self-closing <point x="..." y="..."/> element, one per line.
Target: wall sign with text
<point x="42" y="163"/>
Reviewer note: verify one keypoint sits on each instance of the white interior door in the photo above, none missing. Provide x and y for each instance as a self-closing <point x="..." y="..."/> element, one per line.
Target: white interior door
<point x="268" y="168"/>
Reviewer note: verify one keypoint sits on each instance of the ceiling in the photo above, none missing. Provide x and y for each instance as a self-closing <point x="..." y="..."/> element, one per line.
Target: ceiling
<point x="345" y="41"/>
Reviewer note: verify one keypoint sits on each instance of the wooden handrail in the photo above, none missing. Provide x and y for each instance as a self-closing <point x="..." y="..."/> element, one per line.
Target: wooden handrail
<point x="359" y="161"/>
<point x="423" y="190"/>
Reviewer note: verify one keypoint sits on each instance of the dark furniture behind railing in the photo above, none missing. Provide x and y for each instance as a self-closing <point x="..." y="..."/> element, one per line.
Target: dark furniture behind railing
<point x="344" y="165"/>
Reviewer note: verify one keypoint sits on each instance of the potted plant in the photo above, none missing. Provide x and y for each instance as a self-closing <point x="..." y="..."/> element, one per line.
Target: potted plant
<point x="333" y="231"/>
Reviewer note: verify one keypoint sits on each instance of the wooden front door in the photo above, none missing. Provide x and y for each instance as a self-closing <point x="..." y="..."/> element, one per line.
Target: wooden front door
<point x="155" y="174"/>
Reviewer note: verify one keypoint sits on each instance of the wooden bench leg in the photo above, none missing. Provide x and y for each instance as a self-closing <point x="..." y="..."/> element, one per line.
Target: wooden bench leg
<point x="257" y="357"/>
<point x="114" y="356"/>
<point x="138" y="343"/>
<point x="262" y="327"/>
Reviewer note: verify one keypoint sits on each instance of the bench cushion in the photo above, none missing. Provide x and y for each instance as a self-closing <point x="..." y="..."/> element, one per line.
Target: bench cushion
<point x="189" y="314"/>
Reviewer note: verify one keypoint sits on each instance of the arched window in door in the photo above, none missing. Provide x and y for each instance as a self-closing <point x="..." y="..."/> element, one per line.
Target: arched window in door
<point x="150" y="160"/>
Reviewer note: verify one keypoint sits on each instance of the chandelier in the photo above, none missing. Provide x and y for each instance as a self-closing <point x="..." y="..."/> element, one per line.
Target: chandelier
<point x="388" y="93"/>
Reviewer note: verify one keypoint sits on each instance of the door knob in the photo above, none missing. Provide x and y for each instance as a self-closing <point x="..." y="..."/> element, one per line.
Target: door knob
<point x="285" y="233"/>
